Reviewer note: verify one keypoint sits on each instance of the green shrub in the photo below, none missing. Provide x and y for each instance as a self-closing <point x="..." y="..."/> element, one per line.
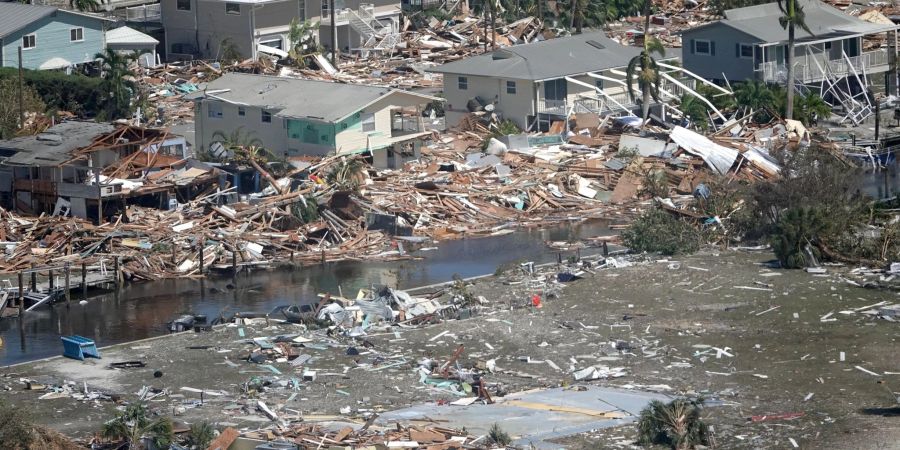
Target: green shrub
<point x="795" y="234"/>
<point x="75" y="93"/>
<point x="657" y="231"/>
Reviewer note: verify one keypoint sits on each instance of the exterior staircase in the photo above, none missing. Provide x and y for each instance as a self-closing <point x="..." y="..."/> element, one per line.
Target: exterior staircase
<point x="377" y="35"/>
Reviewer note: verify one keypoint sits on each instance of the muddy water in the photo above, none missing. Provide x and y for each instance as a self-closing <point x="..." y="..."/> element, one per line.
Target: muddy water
<point x="140" y="310"/>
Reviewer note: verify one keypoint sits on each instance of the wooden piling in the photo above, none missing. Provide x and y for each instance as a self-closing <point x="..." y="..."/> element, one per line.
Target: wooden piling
<point x="52" y="281"/>
<point x="84" y="280"/>
<point x="21" y="289"/>
<point x="201" y="257"/>
<point x="66" y="289"/>
<point x="233" y="263"/>
<point x="116" y="270"/>
<point x="33" y="279"/>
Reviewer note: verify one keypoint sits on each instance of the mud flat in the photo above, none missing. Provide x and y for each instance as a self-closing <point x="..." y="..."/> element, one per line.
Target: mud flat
<point x="779" y="355"/>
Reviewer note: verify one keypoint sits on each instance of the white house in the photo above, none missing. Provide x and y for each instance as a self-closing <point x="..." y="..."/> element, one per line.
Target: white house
<point x="293" y="117"/>
<point x="532" y="84"/>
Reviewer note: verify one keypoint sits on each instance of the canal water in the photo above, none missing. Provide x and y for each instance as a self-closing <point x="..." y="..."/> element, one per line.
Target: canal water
<point x="139" y="311"/>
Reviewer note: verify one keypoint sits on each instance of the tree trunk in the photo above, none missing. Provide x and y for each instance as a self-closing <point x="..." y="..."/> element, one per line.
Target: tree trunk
<point x="540" y="13"/>
<point x="493" y="26"/>
<point x="645" y="105"/>
<point x="789" y="60"/>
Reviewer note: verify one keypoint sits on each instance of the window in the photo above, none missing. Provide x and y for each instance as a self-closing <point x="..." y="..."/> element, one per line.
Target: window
<point x="274" y="43"/>
<point x="462" y="83"/>
<point x="511" y="87"/>
<point x="745" y="51"/>
<point x="828" y="45"/>
<point x="368" y="122"/>
<point x="241" y="111"/>
<point x="76" y="34"/>
<point x="214" y="110"/>
<point x="556" y="89"/>
<point x="703" y="47"/>
<point x="29" y="41"/>
<point x="232" y="8"/>
<point x="183" y="5"/>
<point x="266" y="117"/>
<point x="598" y="82"/>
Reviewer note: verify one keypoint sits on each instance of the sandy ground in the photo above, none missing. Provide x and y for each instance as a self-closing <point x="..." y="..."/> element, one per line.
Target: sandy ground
<point x="657" y="320"/>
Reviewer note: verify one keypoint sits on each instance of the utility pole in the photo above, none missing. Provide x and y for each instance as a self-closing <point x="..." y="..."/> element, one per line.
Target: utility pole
<point x="540" y="13"/>
<point x="334" y="41"/>
<point x="21" y="99"/>
<point x="484" y="17"/>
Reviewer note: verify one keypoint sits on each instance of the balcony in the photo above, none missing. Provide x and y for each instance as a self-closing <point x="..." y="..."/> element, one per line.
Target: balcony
<point x="808" y="71"/>
<point x="143" y="13"/>
<point x="593" y="102"/>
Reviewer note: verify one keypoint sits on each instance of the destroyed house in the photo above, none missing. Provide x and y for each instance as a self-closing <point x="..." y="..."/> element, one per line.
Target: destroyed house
<point x="293" y="117"/>
<point x="750" y="43"/>
<point x="90" y="170"/>
<point x="208" y="28"/>
<point x="534" y="84"/>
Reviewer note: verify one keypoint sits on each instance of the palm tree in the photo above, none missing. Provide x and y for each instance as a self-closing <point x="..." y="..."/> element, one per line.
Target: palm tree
<point x="792" y="17"/>
<point x="135" y="424"/>
<point x="85" y="5"/>
<point x="676" y="424"/>
<point x="810" y="108"/>
<point x="118" y="83"/>
<point x="755" y="96"/>
<point x="201" y="435"/>
<point x="649" y="77"/>
<point x="696" y="110"/>
<point x="246" y="148"/>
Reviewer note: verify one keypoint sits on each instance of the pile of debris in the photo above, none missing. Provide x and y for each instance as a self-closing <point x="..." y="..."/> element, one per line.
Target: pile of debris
<point x="312" y="435"/>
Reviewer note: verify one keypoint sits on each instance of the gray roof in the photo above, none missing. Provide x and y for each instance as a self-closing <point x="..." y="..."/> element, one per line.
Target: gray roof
<point x="293" y="97"/>
<point x="553" y="58"/>
<point x="825" y="22"/>
<point x="14" y="16"/>
<point x="54" y="146"/>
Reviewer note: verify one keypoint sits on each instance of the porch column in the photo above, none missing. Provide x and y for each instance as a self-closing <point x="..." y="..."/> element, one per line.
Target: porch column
<point x="890" y="78"/>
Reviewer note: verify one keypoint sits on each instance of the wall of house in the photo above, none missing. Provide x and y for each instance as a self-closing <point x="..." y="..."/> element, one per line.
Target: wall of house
<point x="516" y="107"/>
<point x="272" y="135"/>
<point x="725" y="57"/>
<point x="214" y="24"/>
<point x="53" y="40"/>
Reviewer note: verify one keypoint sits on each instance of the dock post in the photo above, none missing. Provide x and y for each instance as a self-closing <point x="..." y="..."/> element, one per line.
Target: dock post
<point x="66" y="289"/>
<point x="116" y="270"/>
<point x="292" y="256"/>
<point x="201" y="257"/>
<point x="84" y="280"/>
<point x="174" y="257"/>
<point x="233" y="263"/>
<point x="21" y="289"/>
<point x="52" y="281"/>
<point x="33" y="279"/>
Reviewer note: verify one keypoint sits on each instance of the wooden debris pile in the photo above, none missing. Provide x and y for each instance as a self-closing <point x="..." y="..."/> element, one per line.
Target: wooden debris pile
<point x="314" y="436"/>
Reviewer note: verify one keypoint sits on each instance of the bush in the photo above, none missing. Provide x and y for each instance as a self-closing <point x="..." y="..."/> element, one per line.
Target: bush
<point x="658" y="231"/>
<point x="795" y="233"/>
<point x="75" y="93"/>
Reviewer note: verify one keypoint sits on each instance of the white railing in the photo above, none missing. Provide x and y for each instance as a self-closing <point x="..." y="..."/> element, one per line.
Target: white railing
<point x="593" y="102"/>
<point x="806" y="70"/>
<point x="143" y="13"/>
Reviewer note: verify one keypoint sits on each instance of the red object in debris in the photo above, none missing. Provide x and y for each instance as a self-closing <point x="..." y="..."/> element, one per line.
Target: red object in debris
<point x="442" y="402"/>
<point x="783" y="416"/>
<point x="536" y="301"/>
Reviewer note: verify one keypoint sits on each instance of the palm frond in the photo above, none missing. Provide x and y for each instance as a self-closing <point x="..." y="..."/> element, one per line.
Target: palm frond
<point x="629" y="75"/>
<point x="655" y="46"/>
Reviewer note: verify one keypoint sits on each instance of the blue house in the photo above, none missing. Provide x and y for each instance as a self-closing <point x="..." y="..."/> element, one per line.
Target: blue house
<point x="51" y="38"/>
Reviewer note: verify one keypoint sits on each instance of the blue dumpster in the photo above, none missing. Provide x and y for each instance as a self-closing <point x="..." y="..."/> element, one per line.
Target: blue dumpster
<point x="79" y="347"/>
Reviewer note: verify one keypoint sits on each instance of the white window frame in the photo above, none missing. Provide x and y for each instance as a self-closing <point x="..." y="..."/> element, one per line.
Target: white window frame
<point x="741" y="48"/>
<point x="462" y="83"/>
<point x="218" y="113"/>
<point x="179" y="8"/>
<point x="708" y="43"/>
<point x="265" y="114"/>
<point x="367" y="122"/>
<point x="78" y="31"/>
<point x="33" y="37"/>
<point x="233" y="13"/>
<point x="511" y="84"/>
